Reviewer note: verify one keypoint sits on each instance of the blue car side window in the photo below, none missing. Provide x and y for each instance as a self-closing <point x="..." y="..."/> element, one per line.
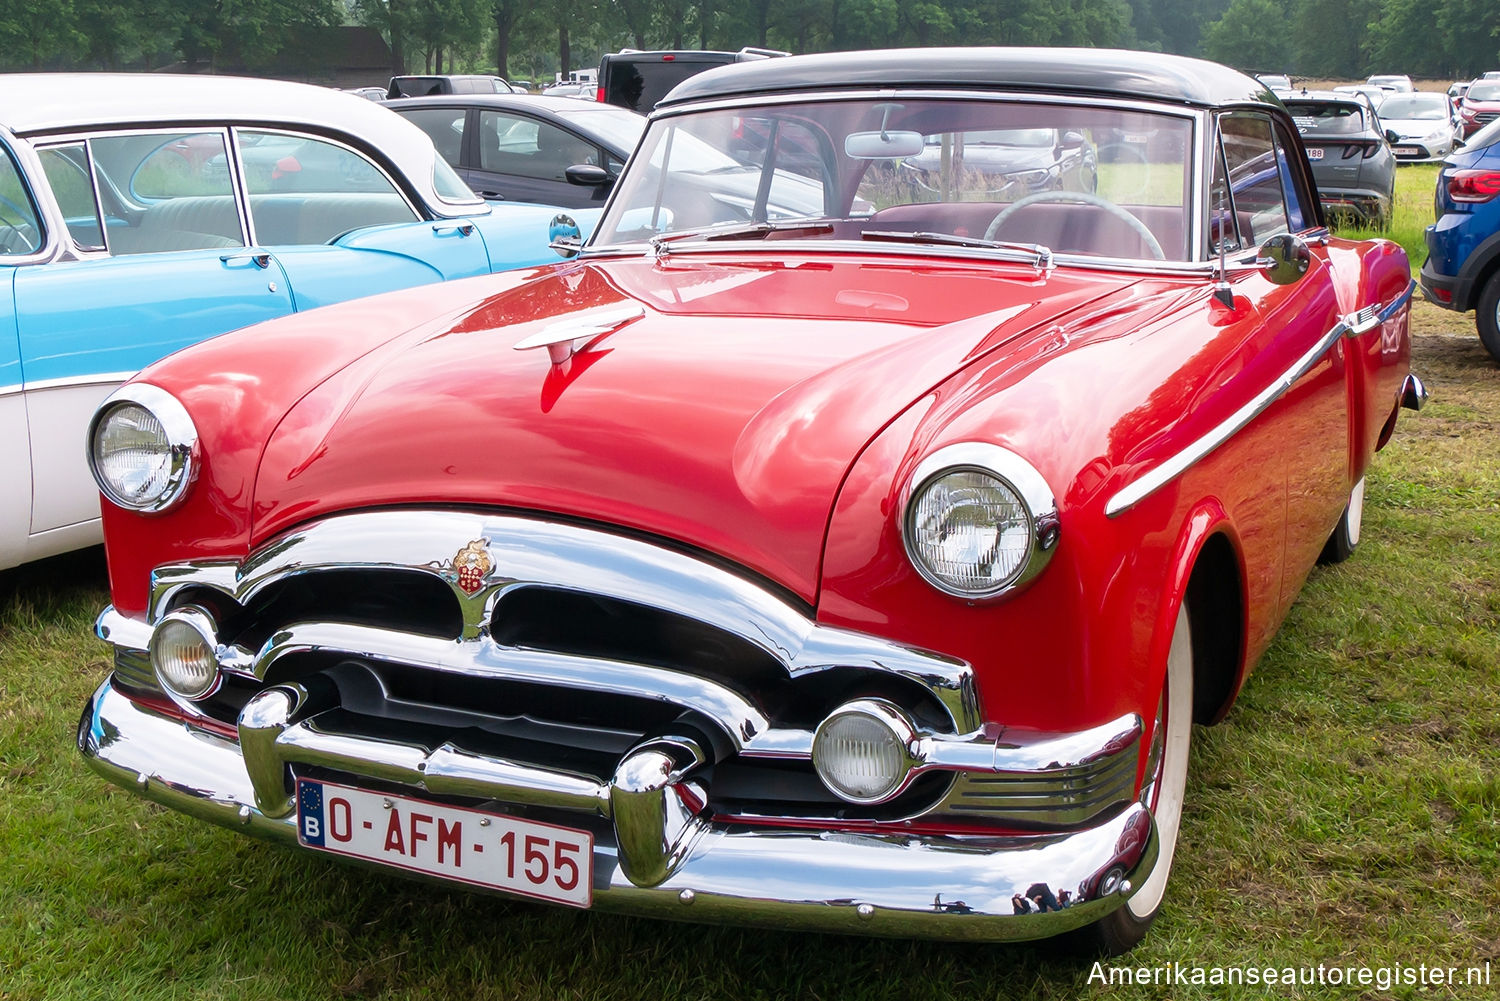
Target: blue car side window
<point x="67" y="170"/>
<point x="20" y="226"/>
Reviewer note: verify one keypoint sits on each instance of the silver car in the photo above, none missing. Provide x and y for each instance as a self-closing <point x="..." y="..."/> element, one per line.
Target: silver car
<point x="1350" y="159"/>
<point x="1420" y="126"/>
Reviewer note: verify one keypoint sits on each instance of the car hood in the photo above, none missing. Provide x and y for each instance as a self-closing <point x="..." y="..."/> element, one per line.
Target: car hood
<point x="714" y="402"/>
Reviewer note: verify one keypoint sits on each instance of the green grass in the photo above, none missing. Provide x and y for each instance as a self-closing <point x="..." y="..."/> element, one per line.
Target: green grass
<point x="1346" y="812"/>
<point x="1411" y="212"/>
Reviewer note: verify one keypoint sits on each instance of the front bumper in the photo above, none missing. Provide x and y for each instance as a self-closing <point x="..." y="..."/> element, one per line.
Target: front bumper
<point x="938" y="886"/>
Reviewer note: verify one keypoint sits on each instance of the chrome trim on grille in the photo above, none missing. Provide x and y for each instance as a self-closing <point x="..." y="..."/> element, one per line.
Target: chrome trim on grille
<point x="528" y="552"/>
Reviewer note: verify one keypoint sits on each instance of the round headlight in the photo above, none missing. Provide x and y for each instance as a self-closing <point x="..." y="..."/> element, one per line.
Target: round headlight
<point x="143" y="448"/>
<point x="979" y="521"/>
<point x="862" y="751"/>
<point x="183" y="653"/>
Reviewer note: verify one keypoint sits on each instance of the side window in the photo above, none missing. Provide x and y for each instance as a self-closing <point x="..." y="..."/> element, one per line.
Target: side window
<point x="161" y="192"/>
<point x="511" y="144"/>
<point x="67" y="170"/>
<point x="20" y="227"/>
<point x="306" y="191"/>
<point x="444" y="126"/>
<point x="1255" y="177"/>
<point x="1297" y="218"/>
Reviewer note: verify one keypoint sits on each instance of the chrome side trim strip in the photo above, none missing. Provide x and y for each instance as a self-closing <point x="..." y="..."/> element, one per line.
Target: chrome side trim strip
<point x="1173" y="467"/>
<point x="903" y="885"/>
<point x="71" y="381"/>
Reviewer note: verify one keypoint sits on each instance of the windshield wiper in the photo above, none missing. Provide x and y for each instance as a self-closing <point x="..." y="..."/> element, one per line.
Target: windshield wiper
<point x="1042" y="255"/>
<point x="661" y="244"/>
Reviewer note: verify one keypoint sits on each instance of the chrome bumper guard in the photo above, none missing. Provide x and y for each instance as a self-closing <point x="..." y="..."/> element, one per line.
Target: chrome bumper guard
<point x="657" y="856"/>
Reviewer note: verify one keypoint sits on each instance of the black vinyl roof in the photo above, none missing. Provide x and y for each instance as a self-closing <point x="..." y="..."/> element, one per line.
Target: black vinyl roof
<point x="1112" y="72"/>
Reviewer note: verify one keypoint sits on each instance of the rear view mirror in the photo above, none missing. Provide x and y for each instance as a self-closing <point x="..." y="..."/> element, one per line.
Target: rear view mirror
<point x="882" y="145"/>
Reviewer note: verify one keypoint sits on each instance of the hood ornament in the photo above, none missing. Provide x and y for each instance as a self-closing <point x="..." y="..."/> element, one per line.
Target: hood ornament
<point x="562" y="339"/>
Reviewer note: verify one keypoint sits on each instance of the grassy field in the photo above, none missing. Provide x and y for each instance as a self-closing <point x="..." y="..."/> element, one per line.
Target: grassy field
<point x="1345" y="814"/>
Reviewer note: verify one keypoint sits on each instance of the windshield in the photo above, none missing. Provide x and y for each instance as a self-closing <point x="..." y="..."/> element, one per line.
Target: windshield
<point x="1078" y="179"/>
<point x="613" y="125"/>
<point x="1483" y="92"/>
<point x="1420" y="107"/>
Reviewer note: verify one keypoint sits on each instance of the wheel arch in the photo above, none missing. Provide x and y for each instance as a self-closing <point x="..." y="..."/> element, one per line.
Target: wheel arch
<point x="1208" y="573"/>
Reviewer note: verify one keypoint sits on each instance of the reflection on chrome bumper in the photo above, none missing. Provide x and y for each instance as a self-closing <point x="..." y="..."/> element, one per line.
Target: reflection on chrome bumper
<point x="905" y="885"/>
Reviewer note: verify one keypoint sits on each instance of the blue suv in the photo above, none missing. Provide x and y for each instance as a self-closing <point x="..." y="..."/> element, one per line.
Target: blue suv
<point x="1463" y="247"/>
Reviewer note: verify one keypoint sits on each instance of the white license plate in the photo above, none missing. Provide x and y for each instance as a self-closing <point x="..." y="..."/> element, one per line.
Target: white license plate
<point x="1407" y="150"/>
<point x="469" y="846"/>
<point x="1314" y="153"/>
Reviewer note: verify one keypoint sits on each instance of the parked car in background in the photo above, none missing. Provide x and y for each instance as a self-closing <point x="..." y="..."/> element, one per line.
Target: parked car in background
<point x="1351" y="160"/>
<point x="1420" y="126"/>
<point x="1480" y="106"/>
<point x="772" y="561"/>
<point x="425" y="86"/>
<point x="1372" y="94"/>
<point x="125" y="235"/>
<point x="368" y="93"/>
<point x="1457" y="90"/>
<point x="1005" y="164"/>
<point x="529" y="148"/>
<point x="1276" y="82"/>
<point x="1398" y="82"/>
<point x="636" y="80"/>
<point x="1462" y="271"/>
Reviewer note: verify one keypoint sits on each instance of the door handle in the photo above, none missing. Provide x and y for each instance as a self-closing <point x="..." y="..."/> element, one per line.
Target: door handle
<point x="461" y="228"/>
<point x="259" y="258"/>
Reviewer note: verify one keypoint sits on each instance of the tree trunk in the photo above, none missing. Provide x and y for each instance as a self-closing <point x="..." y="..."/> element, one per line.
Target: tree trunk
<point x="705" y="17"/>
<point x="398" y="44"/>
<point x="505" y="18"/>
<point x="564" y="50"/>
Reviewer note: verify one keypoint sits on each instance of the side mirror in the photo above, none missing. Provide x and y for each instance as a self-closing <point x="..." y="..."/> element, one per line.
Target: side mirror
<point x="1391" y="136"/>
<point x="564" y="236"/>
<point x="1284" y="259"/>
<point x="588" y="175"/>
<point x="1072" y="140"/>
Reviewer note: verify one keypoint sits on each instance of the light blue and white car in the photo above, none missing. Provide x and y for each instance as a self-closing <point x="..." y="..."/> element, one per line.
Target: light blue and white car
<point x="143" y="213"/>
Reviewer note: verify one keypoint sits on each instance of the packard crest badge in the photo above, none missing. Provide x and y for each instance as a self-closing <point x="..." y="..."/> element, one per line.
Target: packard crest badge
<point x="469" y="566"/>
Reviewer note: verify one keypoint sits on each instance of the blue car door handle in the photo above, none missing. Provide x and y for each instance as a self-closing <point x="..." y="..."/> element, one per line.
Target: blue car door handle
<point x="260" y="259"/>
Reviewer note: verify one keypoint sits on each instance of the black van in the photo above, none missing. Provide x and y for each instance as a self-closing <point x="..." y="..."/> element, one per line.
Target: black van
<point x="637" y="80"/>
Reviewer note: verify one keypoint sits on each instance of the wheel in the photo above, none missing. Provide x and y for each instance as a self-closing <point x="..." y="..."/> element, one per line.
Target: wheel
<point x="1163" y="790"/>
<point x="1345" y="537"/>
<point x="1078" y="198"/>
<point x="1487" y="315"/>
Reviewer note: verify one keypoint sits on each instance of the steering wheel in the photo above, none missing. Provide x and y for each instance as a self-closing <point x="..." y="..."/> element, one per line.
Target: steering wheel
<point x="1080" y="198"/>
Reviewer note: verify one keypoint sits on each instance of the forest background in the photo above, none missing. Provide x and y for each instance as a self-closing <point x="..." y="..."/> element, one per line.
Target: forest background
<point x="1450" y="39"/>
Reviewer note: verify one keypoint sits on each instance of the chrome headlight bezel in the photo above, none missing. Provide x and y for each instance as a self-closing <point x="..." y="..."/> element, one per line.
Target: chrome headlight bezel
<point x="181" y="438"/>
<point x="1014" y="473"/>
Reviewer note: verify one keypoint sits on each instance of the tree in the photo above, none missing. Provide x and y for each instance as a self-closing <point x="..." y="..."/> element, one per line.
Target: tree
<point x="1252" y="34"/>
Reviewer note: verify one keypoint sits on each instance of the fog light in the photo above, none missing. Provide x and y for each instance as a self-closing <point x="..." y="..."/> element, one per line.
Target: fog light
<point x="863" y="751"/>
<point x="183" y="653"/>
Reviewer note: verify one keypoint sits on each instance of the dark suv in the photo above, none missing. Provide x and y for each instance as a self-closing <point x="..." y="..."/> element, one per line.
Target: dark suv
<point x="1350" y="158"/>
<point x="637" y="80"/>
<point x="1463" y="247"/>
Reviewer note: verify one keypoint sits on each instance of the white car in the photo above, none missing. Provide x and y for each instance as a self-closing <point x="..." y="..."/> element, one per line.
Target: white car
<point x="1420" y="126"/>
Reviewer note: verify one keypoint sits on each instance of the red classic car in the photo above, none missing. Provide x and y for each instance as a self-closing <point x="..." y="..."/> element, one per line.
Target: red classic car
<point x="814" y="548"/>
